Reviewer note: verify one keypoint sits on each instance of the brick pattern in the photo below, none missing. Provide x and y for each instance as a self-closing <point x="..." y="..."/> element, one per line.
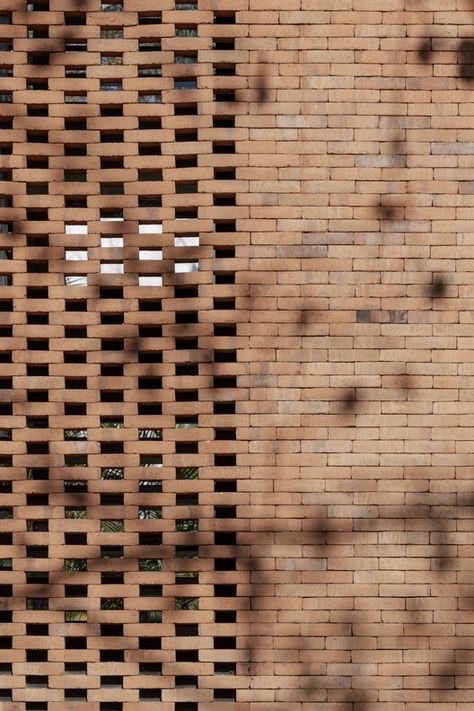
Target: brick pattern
<point x="235" y="290"/>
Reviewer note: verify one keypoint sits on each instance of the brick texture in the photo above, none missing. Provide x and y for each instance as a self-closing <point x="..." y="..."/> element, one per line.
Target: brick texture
<point x="236" y="405"/>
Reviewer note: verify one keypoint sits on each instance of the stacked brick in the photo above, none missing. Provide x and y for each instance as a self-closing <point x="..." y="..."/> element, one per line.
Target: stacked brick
<point x="235" y="335"/>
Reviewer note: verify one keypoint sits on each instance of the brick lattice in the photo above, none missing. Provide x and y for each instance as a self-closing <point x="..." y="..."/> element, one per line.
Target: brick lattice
<point x="236" y="405"/>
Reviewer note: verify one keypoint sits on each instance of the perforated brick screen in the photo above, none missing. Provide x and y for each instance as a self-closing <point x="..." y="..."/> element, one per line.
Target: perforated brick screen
<point x="236" y="337"/>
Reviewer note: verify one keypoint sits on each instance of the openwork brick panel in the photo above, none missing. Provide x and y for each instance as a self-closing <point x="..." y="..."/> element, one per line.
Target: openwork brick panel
<point x="236" y="324"/>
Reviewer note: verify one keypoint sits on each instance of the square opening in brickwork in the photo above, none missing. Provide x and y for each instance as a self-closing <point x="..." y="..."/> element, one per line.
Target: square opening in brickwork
<point x="111" y="59"/>
<point x="149" y="695"/>
<point x="75" y="539"/>
<point x="149" y="18"/>
<point x="225" y="538"/>
<point x="75" y="45"/>
<point x="37" y="32"/>
<point x="37" y="630"/>
<point x="224" y="199"/>
<point x="111" y="110"/>
<point x="37" y="422"/>
<point x="107" y="319"/>
<point x="36" y="681"/>
<point x="223" y="147"/>
<point x="111" y="85"/>
<point x="112" y="681"/>
<point x="185" y="135"/>
<point x="40" y="58"/>
<point x="149" y="70"/>
<point x="146" y="97"/>
<point x="186" y="30"/>
<point x="149" y="123"/>
<point x="186" y="161"/>
<point x="149" y="201"/>
<point x="37" y="396"/>
<point x="149" y="643"/>
<point x="185" y="109"/>
<point x="111" y="499"/>
<point x="75" y="695"/>
<point x="37" y="6"/>
<point x="224" y="70"/>
<point x="75" y="591"/>
<point x="153" y="668"/>
<point x="150" y="174"/>
<point x="223" y="43"/>
<point x="228" y="695"/>
<point x="187" y="369"/>
<point x="225" y="485"/>
<point x="225" y="616"/>
<point x="37" y="162"/>
<point x="111" y="32"/>
<point x="37" y="525"/>
<point x="187" y="655"/>
<point x="78" y="149"/>
<point x="75" y="357"/>
<point x="74" y="72"/>
<point x="181" y="83"/>
<point x="226" y="512"/>
<point x="112" y="655"/>
<point x="37" y="447"/>
<point x="224" y="17"/>
<point x="75" y="18"/>
<point x="225" y="564"/>
<point x="149" y="149"/>
<point x="226" y="95"/>
<point x="38" y="110"/>
<point x="116" y="6"/>
<point x="75" y="667"/>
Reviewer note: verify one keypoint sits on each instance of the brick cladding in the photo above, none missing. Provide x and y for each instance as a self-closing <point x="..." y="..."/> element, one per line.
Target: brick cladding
<point x="236" y="342"/>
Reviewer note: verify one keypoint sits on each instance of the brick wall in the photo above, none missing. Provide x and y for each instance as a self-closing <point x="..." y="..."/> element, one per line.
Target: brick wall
<point x="236" y="402"/>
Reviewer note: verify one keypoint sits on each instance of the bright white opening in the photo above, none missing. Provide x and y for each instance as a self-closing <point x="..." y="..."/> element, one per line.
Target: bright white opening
<point x="111" y="242"/>
<point x="188" y="241"/>
<point x="182" y="267"/>
<point x="80" y="229"/>
<point x="76" y="255"/>
<point x="150" y="254"/>
<point x="75" y="279"/>
<point x="150" y="281"/>
<point x="150" y="229"/>
<point x="111" y="268"/>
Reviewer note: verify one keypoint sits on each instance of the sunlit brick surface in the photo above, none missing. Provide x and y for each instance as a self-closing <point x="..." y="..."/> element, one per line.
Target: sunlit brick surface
<point x="236" y="340"/>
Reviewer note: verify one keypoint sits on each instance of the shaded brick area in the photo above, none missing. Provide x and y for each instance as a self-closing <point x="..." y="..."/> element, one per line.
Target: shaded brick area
<point x="235" y="355"/>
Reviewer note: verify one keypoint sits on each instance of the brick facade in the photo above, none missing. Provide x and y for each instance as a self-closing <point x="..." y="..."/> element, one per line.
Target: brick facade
<point x="235" y="355"/>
